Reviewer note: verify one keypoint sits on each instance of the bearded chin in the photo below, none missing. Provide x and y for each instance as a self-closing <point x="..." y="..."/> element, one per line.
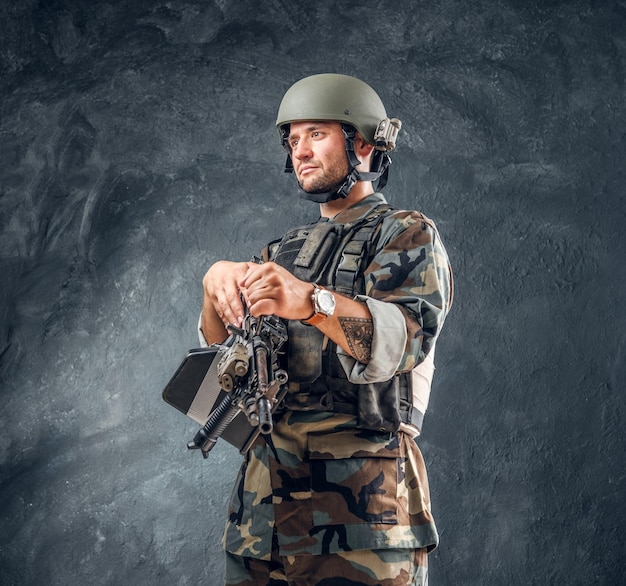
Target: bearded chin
<point x="323" y="185"/>
<point x="323" y="192"/>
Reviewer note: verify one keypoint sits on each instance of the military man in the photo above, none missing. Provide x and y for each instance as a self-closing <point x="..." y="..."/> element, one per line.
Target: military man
<point x="338" y="492"/>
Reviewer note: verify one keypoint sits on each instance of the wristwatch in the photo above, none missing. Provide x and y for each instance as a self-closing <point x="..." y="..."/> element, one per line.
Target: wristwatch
<point x="323" y="306"/>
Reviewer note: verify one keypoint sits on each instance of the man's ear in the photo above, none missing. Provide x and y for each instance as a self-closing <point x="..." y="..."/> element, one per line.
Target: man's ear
<point x="362" y="147"/>
<point x="363" y="150"/>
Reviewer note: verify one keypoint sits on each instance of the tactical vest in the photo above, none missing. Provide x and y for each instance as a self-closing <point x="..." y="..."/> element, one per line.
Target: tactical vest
<point x="335" y="256"/>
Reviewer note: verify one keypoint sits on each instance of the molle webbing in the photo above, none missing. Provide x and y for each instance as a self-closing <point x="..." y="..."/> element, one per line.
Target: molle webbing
<point x="375" y="406"/>
<point x="353" y="257"/>
<point x="333" y="255"/>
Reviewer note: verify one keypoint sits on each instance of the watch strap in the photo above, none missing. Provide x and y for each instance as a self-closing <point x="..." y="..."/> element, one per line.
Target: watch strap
<point x="316" y="318"/>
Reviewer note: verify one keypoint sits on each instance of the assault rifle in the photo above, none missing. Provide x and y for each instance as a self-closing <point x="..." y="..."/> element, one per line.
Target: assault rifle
<point x="249" y="373"/>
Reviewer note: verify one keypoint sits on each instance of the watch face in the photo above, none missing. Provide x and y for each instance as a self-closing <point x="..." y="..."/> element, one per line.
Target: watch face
<point x="326" y="301"/>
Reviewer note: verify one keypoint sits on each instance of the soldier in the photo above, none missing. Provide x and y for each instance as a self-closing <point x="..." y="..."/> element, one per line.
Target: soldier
<point x="338" y="492"/>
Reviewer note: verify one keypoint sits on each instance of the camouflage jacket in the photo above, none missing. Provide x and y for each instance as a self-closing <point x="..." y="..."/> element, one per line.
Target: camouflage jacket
<point x="320" y="485"/>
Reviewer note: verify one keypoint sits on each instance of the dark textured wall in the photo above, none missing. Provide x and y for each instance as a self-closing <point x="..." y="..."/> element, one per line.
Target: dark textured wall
<point x="137" y="147"/>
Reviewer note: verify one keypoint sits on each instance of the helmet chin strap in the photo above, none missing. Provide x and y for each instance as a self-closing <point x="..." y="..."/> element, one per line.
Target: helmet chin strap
<point x="380" y="170"/>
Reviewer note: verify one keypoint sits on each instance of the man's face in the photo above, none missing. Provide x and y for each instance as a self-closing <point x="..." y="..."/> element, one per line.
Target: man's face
<point x="319" y="155"/>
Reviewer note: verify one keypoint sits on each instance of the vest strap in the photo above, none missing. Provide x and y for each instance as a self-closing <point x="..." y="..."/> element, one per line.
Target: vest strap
<point x="411" y="416"/>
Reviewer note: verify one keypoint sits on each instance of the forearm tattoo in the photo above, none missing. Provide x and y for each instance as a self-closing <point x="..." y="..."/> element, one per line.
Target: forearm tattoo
<point x="359" y="333"/>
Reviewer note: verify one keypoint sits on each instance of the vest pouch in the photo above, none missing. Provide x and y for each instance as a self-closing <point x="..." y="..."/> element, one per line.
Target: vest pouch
<point x="304" y="352"/>
<point x="379" y="405"/>
<point x="318" y="247"/>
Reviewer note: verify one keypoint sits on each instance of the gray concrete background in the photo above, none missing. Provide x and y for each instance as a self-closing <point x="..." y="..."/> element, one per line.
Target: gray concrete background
<point x="137" y="147"/>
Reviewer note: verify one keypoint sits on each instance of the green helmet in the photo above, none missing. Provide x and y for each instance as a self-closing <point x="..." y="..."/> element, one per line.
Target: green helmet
<point x="341" y="98"/>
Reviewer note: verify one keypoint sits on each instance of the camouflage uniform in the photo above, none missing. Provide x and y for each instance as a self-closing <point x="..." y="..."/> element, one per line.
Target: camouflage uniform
<point x="322" y="500"/>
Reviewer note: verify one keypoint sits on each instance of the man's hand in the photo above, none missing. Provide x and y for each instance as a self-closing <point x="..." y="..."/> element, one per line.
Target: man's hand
<point x="269" y="289"/>
<point x="221" y="302"/>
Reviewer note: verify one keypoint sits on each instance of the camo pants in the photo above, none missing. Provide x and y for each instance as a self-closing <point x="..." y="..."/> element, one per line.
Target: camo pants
<point x="389" y="567"/>
<point x="320" y="502"/>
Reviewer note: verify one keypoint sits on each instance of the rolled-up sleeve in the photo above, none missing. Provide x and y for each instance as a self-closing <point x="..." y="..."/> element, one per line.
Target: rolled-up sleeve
<point x="388" y="345"/>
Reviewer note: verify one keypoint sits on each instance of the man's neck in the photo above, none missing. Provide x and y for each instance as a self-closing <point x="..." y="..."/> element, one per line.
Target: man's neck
<point x="360" y="191"/>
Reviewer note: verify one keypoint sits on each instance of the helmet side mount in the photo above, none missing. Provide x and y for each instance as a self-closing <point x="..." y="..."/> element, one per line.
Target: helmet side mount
<point x="386" y="134"/>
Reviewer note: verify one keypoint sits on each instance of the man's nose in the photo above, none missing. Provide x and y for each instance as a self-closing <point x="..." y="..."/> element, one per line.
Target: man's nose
<point x="302" y="150"/>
